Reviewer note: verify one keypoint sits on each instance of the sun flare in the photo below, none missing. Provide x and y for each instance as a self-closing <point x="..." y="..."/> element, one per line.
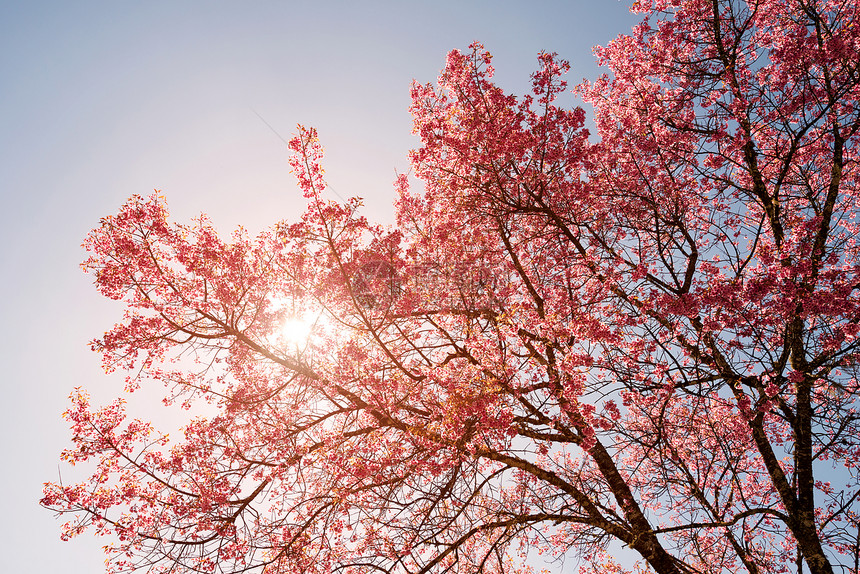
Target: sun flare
<point x="296" y="331"/>
<point x="296" y="325"/>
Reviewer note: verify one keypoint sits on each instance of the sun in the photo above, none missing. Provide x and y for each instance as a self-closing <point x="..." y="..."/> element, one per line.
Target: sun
<point x="296" y="331"/>
<point x="296" y="324"/>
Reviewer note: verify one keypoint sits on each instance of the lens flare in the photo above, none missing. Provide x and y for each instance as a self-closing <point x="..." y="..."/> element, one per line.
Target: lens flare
<point x="296" y="331"/>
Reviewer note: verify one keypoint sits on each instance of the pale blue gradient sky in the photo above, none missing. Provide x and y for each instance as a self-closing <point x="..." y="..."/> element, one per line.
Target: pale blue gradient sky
<point x="101" y="100"/>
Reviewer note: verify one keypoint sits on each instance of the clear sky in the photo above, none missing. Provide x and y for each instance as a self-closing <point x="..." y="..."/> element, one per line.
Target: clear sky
<point x="101" y="100"/>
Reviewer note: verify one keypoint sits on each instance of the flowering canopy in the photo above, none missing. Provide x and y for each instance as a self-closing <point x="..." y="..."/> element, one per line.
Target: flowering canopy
<point x="648" y="339"/>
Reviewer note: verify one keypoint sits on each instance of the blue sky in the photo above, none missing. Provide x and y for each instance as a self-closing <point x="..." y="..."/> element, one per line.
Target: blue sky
<point x="101" y="100"/>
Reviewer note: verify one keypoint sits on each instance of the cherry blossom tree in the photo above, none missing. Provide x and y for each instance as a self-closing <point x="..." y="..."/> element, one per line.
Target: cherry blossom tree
<point x="567" y="344"/>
